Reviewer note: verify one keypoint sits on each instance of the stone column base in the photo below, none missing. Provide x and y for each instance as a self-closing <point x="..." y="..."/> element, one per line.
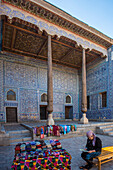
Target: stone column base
<point x="50" y="120"/>
<point x="84" y="120"/>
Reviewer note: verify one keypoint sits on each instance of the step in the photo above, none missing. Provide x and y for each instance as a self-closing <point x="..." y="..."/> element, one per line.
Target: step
<point x="15" y="143"/>
<point x="11" y="123"/>
<point x="18" y="131"/>
<point x="105" y="126"/>
<point x="12" y="140"/>
<point x="109" y="133"/>
<point x="20" y="135"/>
<point x="94" y="124"/>
<point x="108" y="129"/>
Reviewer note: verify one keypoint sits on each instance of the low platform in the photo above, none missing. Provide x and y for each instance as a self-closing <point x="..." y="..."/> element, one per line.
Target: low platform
<point x="12" y="133"/>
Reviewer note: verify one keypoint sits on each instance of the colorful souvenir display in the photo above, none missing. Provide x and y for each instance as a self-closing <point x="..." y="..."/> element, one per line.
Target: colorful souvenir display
<point x="38" y="155"/>
<point x="54" y="130"/>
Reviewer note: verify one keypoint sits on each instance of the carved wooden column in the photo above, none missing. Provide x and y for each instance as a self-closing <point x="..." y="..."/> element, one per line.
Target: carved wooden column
<point x="50" y="120"/>
<point x="84" y="90"/>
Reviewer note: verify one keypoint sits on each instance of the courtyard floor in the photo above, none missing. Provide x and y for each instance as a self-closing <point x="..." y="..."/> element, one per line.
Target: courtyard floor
<point x="72" y="145"/>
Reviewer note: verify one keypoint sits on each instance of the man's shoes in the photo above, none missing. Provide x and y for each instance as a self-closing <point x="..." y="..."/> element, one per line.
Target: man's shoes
<point x="89" y="166"/>
<point x="81" y="167"/>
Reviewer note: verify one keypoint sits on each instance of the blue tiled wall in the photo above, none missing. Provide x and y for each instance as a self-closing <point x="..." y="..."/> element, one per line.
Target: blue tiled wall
<point x="110" y="79"/>
<point x="100" y="79"/>
<point x="97" y="82"/>
<point x="27" y="77"/>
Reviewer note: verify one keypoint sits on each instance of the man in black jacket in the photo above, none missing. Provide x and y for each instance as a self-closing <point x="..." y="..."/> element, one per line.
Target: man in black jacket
<point x="93" y="149"/>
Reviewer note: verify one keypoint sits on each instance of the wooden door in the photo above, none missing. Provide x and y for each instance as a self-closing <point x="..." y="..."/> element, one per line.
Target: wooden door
<point x="11" y="114"/>
<point x="68" y="112"/>
<point x="43" y="112"/>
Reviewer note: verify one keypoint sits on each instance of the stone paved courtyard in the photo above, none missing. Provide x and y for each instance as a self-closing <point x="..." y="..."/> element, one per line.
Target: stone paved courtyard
<point x="72" y="145"/>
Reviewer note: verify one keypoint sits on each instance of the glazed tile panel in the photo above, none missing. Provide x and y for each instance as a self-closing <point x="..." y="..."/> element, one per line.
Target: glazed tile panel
<point x="28" y="103"/>
<point x="97" y="78"/>
<point x="18" y="75"/>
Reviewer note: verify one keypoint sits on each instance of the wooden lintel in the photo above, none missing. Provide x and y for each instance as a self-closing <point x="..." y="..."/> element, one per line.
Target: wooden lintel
<point x="93" y="60"/>
<point x="98" y="52"/>
<point x="43" y="57"/>
<point x="39" y="59"/>
<point x="74" y="48"/>
<point x="13" y="49"/>
<point x="59" y="42"/>
<point x="22" y="29"/>
<point x="64" y="63"/>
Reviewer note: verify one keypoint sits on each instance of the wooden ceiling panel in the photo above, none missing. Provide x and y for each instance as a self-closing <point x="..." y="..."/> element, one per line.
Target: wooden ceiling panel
<point x="44" y="51"/>
<point x="74" y="58"/>
<point x="58" y="50"/>
<point x="89" y="58"/>
<point x="27" y="42"/>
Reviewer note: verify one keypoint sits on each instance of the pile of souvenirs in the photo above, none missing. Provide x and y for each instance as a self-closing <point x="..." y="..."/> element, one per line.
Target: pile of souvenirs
<point x="41" y="155"/>
<point x="53" y="130"/>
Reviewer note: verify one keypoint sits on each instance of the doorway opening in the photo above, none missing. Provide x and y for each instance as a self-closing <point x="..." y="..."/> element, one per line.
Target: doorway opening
<point x="11" y="114"/>
<point x="43" y="112"/>
<point x="68" y="112"/>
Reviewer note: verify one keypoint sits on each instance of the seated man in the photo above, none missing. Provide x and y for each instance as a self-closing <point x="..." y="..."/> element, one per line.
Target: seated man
<point x="93" y="148"/>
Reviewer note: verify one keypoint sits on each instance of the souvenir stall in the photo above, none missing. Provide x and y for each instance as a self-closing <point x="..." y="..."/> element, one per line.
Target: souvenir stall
<point x="54" y="130"/>
<point x="40" y="154"/>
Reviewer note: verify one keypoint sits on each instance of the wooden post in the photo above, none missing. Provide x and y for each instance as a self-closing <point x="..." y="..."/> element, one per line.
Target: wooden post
<point x="50" y="120"/>
<point x="99" y="164"/>
<point x="84" y="90"/>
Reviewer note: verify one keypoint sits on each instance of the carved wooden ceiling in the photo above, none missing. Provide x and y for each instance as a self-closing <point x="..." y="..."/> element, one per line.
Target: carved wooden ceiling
<point x="84" y="31"/>
<point x="26" y="39"/>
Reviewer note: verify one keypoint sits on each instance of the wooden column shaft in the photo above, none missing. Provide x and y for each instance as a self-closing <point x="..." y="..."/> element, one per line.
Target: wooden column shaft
<point x="84" y="89"/>
<point x="50" y="79"/>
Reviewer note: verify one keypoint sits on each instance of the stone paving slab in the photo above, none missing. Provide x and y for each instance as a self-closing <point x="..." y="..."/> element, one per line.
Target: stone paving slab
<point x="72" y="145"/>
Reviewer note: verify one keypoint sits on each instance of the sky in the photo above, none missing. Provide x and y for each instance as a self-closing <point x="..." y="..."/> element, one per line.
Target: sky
<point x="96" y="13"/>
